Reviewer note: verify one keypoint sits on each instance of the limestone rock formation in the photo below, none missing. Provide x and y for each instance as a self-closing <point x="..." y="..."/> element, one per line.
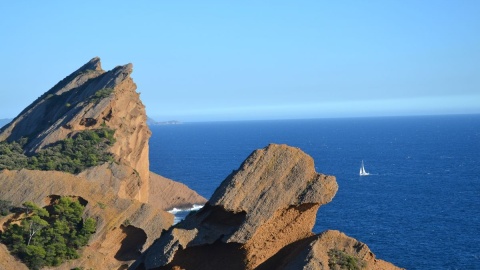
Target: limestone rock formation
<point x="91" y="98"/>
<point x="167" y="194"/>
<point x="116" y="193"/>
<point x="116" y="217"/>
<point x="260" y="214"/>
<point x="314" y="253"/>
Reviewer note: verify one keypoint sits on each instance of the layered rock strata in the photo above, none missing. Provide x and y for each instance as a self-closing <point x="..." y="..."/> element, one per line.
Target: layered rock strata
<point x="314" y="253"/>
<point x="260" y="214"/>
<point x="116" y="193"/>
<point x="91" y="98"/>
<point x="169" y="194"/>
<point x="112" y="214"/>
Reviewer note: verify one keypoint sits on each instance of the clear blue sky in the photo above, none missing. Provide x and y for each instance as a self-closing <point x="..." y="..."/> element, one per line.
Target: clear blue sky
<point x="241" y="60"/>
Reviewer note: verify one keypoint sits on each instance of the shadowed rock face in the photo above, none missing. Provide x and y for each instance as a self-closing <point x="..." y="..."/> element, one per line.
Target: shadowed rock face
<point x="76" y="104"/>
<point x="313" y="253"/>
<point x="270" y="202"/>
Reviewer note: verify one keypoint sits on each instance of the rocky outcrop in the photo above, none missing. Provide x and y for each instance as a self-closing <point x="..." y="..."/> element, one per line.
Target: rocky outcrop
<point x="91" y="98"/>
<point x="116" y="193"/>
<point x="111" y="212"/>
<point x="259" y="215"/>
<point x="168" y="194"/>
<point x="315" y="253"/>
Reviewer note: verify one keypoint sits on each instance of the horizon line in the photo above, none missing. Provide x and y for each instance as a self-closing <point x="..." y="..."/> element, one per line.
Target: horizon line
<point x="315" y="118"/>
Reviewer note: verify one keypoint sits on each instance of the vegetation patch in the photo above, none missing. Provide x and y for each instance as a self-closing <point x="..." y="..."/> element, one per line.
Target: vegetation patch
<point x="338" y="259"/>
<point x="49" y="236"/>
<point x="86" y="149"/>
<point x="101" y="94"/>
<point x="101" y="205"/>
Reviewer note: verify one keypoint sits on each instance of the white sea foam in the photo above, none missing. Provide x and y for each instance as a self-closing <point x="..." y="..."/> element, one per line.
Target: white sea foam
<point x="174" y="211"/>
<point x="195" y="207"/>
<point x="181" y="213"/>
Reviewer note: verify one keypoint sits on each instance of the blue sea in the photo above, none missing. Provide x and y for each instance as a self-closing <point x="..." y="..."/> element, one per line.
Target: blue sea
<point x="419" y="208"/>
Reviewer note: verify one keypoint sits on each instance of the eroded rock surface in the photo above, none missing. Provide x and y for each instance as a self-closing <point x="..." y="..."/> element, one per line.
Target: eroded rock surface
<point x="261" y="217"/>
<point x="270" y="202"/>
<point x="316" y="253"/>
<point x="110" y="211"/>
<point x="91" y="98"/>
<point x="169" y="194"/>
<point x="116" y="193"/>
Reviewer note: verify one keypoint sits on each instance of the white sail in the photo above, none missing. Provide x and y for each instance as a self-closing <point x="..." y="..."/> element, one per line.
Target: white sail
<point x="362" y="170"/>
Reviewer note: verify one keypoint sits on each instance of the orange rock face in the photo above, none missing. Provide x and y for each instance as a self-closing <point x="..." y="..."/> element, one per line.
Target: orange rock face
<point x="169" y="194"/>
<point x="117" y="193"/>
<point x="111" y="213"/>
<point x="313" y="253"/>
<point x="74" y="104"/>
<point x="260" y="217"/>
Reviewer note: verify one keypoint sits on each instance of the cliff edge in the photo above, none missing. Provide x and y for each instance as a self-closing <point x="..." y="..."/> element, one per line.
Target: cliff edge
<point x="89" y="99"/>
<point x="126" y="200"/>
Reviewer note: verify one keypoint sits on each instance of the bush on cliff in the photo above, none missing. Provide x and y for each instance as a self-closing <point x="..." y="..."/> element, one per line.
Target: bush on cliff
<point x="49" y="236"/>
<point x="341" y="260"/>
<point x="101" y="94"/>
<point x="86" y="149"/>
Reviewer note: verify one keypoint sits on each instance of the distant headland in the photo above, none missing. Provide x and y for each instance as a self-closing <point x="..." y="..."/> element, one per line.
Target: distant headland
<point x="152" y="122"/>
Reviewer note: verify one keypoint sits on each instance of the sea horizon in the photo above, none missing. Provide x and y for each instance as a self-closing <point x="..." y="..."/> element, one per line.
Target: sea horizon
<point x="314" y="118"/>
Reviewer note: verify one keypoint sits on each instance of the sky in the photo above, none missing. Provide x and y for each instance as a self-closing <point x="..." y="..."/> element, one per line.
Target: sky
<point x="253" y="60"/>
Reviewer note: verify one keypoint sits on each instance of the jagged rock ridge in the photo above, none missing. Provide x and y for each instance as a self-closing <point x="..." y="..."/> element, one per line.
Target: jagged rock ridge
<point x="260" y="214"/>
<point x="91" y="98"/>
<point x="129" y="214"/>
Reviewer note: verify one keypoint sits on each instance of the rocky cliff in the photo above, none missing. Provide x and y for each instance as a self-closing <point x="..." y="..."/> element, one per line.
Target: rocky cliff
<point x="91" y="98"/>
<point x="116" y="193"/>
<point x="117" y="219"/>
<point x="260" y="217"/>
<point x="169" y="194"/>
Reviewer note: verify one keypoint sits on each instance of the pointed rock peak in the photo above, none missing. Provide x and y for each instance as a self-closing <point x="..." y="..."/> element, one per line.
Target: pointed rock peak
<point x="93" y="64"/>
<point x="128" y="69"/>
<point x="129" y="66"/>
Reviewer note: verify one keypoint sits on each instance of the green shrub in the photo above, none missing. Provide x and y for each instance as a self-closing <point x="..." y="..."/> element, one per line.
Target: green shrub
<point x="101" y="94"/>
<point x="48" y="238"/>
<point x="101" y="205"/>
<point x="341" y="260"/>
<point x="86" y="149"/>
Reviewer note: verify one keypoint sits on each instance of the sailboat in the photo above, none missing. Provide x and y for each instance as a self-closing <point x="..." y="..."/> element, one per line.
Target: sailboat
<point x="362" y="170"/>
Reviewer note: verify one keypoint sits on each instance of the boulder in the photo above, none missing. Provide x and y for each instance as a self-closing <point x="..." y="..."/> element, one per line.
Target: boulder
<point x="328" y="250"/>
<point x="271" y="201"/>
<point x="168" y="194"/>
